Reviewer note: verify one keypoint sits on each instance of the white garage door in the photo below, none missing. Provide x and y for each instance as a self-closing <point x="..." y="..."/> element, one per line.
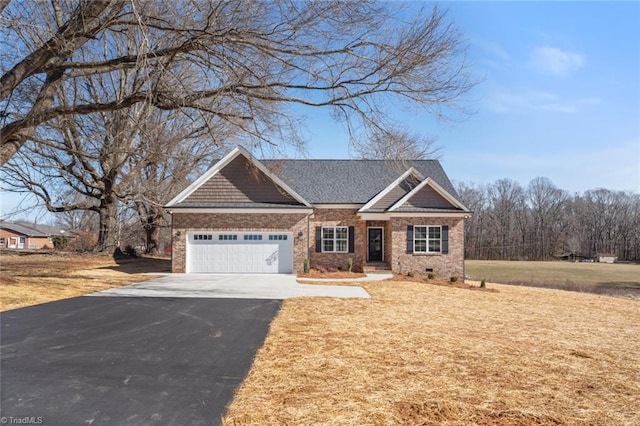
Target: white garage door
<point x="241" y="252"/>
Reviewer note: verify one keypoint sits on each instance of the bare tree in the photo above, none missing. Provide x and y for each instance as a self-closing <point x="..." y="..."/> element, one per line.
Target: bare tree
<point x="241" y="61"/>
<point x="546" y="201"/>
<point x="395" y="144"/>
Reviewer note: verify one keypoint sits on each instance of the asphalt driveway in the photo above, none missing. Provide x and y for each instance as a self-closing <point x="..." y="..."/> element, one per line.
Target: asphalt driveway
<point x="128" y="360"/>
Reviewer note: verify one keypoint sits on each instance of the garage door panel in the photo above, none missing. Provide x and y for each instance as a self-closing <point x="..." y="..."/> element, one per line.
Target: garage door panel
<point x="235" y="253"/>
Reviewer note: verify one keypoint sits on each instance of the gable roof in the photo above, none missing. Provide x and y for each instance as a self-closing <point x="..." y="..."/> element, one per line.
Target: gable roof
<point x="180" y="200"/>
<point x="20" y="229"/>
<point x="376" y="184"/>
<point x="448" y="202"/>
<point x="392" y="193"/>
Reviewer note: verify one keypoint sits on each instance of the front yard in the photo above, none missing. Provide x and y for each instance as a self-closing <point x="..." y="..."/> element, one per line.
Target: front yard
<point x="423" y="354"/>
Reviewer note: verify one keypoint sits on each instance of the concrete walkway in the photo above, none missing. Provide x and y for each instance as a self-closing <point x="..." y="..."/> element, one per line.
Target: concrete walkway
<point x="235" y="286"/>
<point x="369" y="277"/>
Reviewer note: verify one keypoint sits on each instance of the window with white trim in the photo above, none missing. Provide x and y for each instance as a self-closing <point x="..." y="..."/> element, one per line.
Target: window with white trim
<point x="335" y="239"/>
<point x="427" y="239"/>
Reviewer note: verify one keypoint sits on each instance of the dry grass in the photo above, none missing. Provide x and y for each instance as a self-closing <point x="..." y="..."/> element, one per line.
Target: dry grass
<point x="616" y="279"/>
<point x="422" y="354"/>
<point x="44" y="277"/>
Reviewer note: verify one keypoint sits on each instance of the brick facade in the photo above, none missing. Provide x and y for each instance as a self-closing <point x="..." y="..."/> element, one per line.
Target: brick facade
<point x="443" y="265"/>
<point x="338" y="217"/>
<point x="258" y="222"/>
<point x="395" y="239"/>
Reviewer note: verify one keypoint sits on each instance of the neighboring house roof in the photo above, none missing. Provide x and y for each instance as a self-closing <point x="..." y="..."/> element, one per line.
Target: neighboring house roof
<point x="20" y="229"/>
<point x="49" y="230"/>
<point x="379" y="185"/>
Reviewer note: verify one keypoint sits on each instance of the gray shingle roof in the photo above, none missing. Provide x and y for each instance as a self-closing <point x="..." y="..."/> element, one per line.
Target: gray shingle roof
<point x="350" y="181"/>
<point x="19" y="229"/>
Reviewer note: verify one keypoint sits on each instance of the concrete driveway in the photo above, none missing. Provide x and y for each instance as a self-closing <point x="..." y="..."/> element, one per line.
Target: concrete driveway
<point x="235" y="286"/>
<point x="128" y="360"/>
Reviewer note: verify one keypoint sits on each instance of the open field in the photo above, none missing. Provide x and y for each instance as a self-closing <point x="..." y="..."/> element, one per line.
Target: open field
<point x="421" y="354"/>
<point x="601" y="278"/>
<point x="43" y="277"/>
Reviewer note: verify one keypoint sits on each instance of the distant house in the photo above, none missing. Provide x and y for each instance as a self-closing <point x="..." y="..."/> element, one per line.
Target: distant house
<point x="606" y="257"/>
<point x="16" y="236"/>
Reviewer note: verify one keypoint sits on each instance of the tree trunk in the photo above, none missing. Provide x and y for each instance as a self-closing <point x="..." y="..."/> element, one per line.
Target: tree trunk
<point x="153" y="234"/>
<point x="107" y="212"/>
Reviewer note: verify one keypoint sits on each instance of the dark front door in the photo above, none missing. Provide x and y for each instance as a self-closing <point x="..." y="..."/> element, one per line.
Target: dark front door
<point x="374" y="244"/>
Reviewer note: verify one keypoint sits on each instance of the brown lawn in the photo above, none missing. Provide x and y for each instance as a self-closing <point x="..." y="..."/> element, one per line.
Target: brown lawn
<point x="422" y="354"/>
<point x="43" y="277"/>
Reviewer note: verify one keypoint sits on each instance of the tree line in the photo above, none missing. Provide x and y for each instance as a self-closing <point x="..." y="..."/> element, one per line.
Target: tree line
<point x="543" y="222"/>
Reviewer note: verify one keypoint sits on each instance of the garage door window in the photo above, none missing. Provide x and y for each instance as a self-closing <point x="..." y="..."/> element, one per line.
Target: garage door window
<point x="227" y="237"/>
<point x="277" y="237"/>
<point x="202" y="237"/>
<point x="253" y="237"/>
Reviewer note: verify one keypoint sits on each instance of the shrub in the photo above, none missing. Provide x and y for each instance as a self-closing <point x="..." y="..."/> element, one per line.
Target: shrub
<point x="332" y="269"/>
<point x="305" y="266"/>
<point x="483" y="284"/>
<point x="431" y="275"/>
<point x="131" y="251"/>
<point x="60" y="242"/>
<point x="349" y="264"/>
<point x="411" y="274"/>
<point x="321" y="269"/>
<point x="453" y="279"/>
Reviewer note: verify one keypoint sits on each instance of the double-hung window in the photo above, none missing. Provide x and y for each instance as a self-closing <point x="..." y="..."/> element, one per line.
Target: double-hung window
<point x="335" y="239"/>
<point x="427" y="239"/>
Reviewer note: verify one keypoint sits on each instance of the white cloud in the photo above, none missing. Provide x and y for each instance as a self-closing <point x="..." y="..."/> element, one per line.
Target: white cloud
<point x="554" y="61"/>
<point x="537" y="101"/>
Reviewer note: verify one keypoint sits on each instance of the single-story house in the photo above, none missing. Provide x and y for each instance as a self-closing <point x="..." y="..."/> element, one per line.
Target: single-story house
<point x="606" y="257"/>
<point x="16" y="236"/>
<point x="272" y="216"/>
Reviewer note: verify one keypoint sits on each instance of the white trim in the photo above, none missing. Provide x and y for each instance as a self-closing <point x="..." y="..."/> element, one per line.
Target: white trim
<point x="178" y="210"/>
<point x="374" y="216"/>
<point x="223" y="163"/>
<point x="395" y="183"/>
<point x="440" y="190"/>
<point x="337" y="206"/>
<point x="430" y="214"/>
<point x="382" y="234"/>
<point x="389" y="216"/>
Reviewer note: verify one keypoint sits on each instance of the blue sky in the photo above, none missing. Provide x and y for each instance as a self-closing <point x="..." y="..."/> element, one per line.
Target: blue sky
<point x="559" y="98"/>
